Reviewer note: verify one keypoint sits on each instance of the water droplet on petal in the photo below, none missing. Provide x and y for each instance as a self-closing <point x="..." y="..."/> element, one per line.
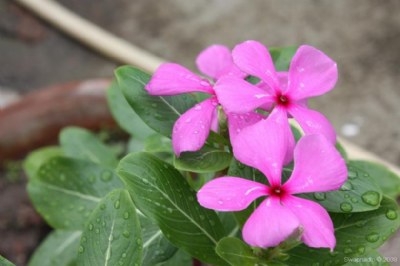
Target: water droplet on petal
<point x="197" y="107"/>
<point x="346" y="207"/>
<point x="371" y="198"/>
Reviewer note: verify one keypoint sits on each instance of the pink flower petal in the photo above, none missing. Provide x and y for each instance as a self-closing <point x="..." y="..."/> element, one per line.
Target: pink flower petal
<point x="312" y="122"/>
<point x="216" y="61"/>
<point x="270" y="224"/>
<point x="318" y="166"/>
<point x="254" y="59"/>
<point x="239" y="96"/>
<point x="291" y="143"/>
<point x="311" y="73"/>
<point x="215" y="121"/>
<point x="317" y="226"/>
<point x="264" y="145"/>
<point x="230" y="193"/>
<point x="192" y="128"/>
<point x="172" y="79"/>
<point x="237" y="122"/>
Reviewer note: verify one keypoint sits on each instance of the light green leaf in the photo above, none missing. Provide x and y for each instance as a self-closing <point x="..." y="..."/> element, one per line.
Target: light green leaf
<point x="157" y="143"/>
<point x="5" y="262"/>
<point x="356" y="234"/>
<point x="36" y="158"/>
<point x="360" y="193"/>
<point x="122" y="112"/>
<point x="238" y="253"/>
<point x="282" y="57"/>
<point x="158" y="112"/>
<point x="206" y="160"/>
<point x="80" y="143"/>
<point x="156" y="248"/>
<point x="112" y="235"/>
<point x="65" y="190"/>
<point x="59" y="248"/>
<point x="164" y="196"/>
<point x="388" y="181"/>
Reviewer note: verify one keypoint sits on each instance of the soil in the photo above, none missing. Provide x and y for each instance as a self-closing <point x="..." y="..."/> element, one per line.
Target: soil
<point x="363" y="36"/>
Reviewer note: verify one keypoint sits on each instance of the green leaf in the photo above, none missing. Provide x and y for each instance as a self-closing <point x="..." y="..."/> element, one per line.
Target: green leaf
<point x="5" y="262"/>
<point x="65" y="190"/>
<point x="158" y="143"/>
<point x="36" y="158"/>
<point x="356" y="234"/>
<point x="156" y="248"/>
<point x="282" y="57"/>
<point x="180" y="258"/>
<point x="207" y="159"/>
<point x="165" y="197"/>
<point x="238" y="253"/>
<point x="112" y="235"/>
<point x="59" y="248"/>
<point x="122" y="112"/>
<point x="371" y="259"/>
<point x="158" y="112"/>
<point x="360" y="193"/>
<point x="388" y="181"/>
<point x="80" y="143"/>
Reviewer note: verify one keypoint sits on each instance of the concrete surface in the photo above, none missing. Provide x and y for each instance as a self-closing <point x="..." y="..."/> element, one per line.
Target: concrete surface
<point x="363" y="36"/>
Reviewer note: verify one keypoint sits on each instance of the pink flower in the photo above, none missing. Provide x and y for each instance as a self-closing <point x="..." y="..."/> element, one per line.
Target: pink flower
<point x="318" y="167"/>
<point x="192" y="128"/>
<point x="311" y="73"/>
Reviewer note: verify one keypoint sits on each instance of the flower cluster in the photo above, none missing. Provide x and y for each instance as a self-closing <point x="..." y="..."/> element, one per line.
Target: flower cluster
<point x="261" y="136"/>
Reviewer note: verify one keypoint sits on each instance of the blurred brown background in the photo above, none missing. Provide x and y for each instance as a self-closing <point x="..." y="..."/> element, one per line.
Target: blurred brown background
<point x="363" y="36"/>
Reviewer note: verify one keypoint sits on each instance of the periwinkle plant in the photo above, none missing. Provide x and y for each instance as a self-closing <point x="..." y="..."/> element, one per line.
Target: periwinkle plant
<point x="197" y="196"/>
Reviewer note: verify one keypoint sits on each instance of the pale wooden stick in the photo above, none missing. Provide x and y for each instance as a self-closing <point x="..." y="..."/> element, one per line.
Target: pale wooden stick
<point x="88" y="33"/>
<point x="126" y="53"/>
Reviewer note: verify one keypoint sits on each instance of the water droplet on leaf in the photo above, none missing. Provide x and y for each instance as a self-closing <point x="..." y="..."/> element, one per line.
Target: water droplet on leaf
<point x="371" y="198"/>
<point x="346" y="207"/>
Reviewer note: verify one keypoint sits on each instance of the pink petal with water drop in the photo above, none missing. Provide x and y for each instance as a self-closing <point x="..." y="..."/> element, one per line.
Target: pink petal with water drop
<point x="173" y="79"/>
<point x="270" y="224"/>
<point x="230" y="193"/>
<point x="254" y="59"/>
<point x="237" y="122"/>
<point x="312" y="122"/>
<point x="192" y="128"/>
<point x="318" y="166"/>
<point x="264" y="145"/>
<point x="318" y="231"/>
<point x="216" y="61"/>
<point x="311" y="73"/>
<point x="239" y="96"/>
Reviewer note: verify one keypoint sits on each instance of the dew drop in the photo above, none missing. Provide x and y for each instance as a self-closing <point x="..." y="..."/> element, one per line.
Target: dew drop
<point x="320" y="196"/>
<point x="92" y="179"/>
<point x="84" y="239"/>
<point x="197" y="107"/>
<point x="138" y="241"/>
<point x="117" y="204"/>
<point x="126" y="215"/>
<point x="391" y="214"/>
<point x="103" y="206"/>
<point x="97" y="231"/>
<point x="106" y="176"/>
<point x="188" y="120"/>
<point x="346" y="207"/>
<point x="372" y="237"/>
<point x="81" y="249"/>
<point x="352" y="174"/>
<point x="124" y="255"/>
<point x="126" y="234"/>
<point x="204" y="83"/>
<point x="361" y="249"/>
<point x="220" y="202"/>
<point x="361" y="223"/>
<point x="91" y="227"/>
<point x="346" y="187"/>
<point x="371" y="198"/>
<point x="354" y="200"/>
<point x="196" y="132"/>
<point x="348" y="251"/>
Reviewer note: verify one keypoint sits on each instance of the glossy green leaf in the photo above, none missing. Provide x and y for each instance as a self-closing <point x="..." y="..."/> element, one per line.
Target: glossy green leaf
<point x="180" y="258"/>
<point x="59" y="248"/>
<point x="238" y="253"/>
<point x="112" y="235"/>
<point x="122" y="112"/>
<point x="207" y="159"/>
<point x="82" y="144"/>
<point x="158" y="143"/>
<point x="156" y="248"/>
<point x="158" y="112"/>
<point x="282" y="57"/>
<point x="5" y="262"/>
<point x="371" y="259"/>
<point x="360" y="193"/>
<point x="388" y="181"/>
<point x="36" y="158"/>
<point x="164" y="196"/>
<point x="356" y="234"/>
<point x="65" y="190"/>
